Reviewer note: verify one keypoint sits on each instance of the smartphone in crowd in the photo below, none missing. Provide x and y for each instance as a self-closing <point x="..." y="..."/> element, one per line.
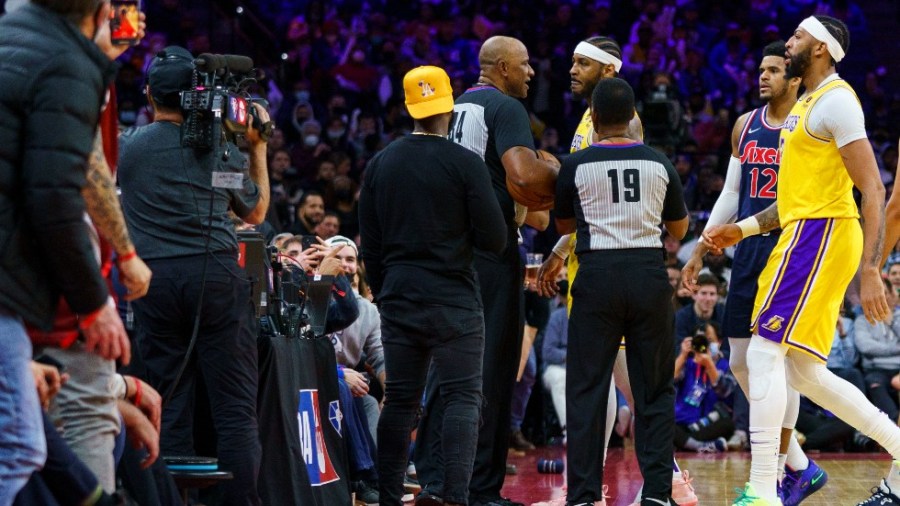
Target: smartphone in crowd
<point x="308" y="241"/>
<point x="124" y="23"/>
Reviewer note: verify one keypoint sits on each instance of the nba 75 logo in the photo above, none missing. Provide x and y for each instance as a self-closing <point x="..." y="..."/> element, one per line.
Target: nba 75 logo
<point x="312" y="440"/>
<point x="791" y="122"/>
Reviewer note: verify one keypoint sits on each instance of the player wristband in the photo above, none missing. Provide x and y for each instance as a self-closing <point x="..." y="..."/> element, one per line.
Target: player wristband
<point x="127" y="256"/>
<point x="749" y="226"/>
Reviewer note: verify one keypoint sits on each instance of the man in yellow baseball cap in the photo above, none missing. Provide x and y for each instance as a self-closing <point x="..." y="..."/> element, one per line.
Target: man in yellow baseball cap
<point x="426" y="203"/>
<point x="428" y="92"/>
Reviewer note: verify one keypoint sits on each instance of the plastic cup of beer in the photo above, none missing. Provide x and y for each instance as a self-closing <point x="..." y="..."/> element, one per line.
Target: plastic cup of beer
<point x="533" y="263"/>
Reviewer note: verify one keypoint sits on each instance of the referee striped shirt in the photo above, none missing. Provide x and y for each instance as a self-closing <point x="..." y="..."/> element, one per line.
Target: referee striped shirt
<point x="619" y="195"/>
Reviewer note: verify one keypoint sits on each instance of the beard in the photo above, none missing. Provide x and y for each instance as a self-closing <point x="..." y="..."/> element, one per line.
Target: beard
<point x="799" y="64"/>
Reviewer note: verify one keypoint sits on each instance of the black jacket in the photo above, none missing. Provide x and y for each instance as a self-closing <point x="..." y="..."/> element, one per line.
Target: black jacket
<point x="53" y="82"/>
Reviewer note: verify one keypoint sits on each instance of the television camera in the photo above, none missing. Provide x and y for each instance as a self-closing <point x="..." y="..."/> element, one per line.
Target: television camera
<point x="218" y="106"/>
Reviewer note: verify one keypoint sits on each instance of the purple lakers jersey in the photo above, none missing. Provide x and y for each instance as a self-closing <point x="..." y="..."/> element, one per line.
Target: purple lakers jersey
<point x="760" y="158"/>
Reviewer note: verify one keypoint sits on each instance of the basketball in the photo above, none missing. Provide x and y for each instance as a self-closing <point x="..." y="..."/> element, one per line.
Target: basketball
<point x="534" y="201"/>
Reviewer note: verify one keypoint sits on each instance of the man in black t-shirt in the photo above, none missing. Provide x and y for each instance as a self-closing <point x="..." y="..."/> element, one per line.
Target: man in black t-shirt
<point x="425" y="205"/>
<point x="615" y="195"/>
<point x="490" y="121"/>
<point x="166" y="193"/>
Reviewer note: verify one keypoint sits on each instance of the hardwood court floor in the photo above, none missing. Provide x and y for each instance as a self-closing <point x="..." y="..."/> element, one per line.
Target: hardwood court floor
<point x="850" y="476"/>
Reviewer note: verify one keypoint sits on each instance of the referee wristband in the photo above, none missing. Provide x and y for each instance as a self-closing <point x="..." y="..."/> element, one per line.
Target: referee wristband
<point x="749" y="226"/>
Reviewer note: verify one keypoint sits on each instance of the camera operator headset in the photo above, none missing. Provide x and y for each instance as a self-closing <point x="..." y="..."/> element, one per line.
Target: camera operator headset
<point x="164" y="186"/>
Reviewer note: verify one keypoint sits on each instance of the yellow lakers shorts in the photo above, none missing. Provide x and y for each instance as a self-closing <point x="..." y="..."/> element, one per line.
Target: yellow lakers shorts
<point x="804" y="282"/>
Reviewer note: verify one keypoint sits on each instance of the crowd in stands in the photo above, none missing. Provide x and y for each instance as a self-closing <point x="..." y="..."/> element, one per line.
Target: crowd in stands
<point x="336" y="96"/>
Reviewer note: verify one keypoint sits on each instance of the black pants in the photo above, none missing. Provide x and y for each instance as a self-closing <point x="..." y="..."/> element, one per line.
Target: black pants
<point x="504" y="321"/>
<point x="880" y="391"/>
<point x="723" y="427"/>
<point x="225" y="357"/>
<point x="620" y="293"/>
<point x="415" y="336"/>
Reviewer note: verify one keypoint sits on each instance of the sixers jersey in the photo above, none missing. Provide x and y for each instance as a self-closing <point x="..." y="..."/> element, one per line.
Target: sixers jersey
<point x="760" y="158"/>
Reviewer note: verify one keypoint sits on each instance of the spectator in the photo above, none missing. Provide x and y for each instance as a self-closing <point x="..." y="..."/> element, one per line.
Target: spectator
<point x="706" y="308"/>
<point x="310" y="212"/>
<point x="329" y="226"/>
<point x="879" y="347"/>
<point x="553" y="353"/>
<point x="44" y="211"/>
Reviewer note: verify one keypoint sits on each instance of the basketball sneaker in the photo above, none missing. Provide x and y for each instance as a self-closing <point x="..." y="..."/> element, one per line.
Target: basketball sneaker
<point x="749" y="497"/>
<point x="798" y="485"/>
<point x="683" y="491"/>
<point x="882" y="495"/>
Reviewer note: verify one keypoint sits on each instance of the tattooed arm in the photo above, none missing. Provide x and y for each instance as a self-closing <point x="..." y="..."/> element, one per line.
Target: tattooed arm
<point x="103" y="207"/>
<point x="768" y="219"/>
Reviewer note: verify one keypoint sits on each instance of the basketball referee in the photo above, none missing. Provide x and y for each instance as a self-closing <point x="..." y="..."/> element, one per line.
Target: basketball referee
<point x="614" y="195"/>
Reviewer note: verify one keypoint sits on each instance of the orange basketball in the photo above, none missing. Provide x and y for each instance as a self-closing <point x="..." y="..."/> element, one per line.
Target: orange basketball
<point x="534" y="201"/>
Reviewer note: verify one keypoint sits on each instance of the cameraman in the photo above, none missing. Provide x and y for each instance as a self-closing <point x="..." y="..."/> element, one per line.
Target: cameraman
<point x="702" y="382"/>
<point x="167" y="194"/>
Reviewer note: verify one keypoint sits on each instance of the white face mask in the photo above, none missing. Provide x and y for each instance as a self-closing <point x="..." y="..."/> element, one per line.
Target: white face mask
<point x="713" y="349"/>
<point x="311" y="140"/>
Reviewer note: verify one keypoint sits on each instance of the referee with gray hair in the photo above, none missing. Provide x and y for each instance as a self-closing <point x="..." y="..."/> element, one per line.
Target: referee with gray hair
<point x="614" y="196"/>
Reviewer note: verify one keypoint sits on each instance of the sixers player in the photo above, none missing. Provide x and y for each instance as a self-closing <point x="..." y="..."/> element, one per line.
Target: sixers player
<point x="750" y="187"/>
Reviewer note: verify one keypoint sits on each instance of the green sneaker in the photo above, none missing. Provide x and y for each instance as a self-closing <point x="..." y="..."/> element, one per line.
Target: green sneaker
<point x="749" y="497"/>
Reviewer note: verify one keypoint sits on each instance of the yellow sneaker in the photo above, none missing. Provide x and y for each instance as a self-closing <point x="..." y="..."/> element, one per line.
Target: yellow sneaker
<point x="749" y="497"/>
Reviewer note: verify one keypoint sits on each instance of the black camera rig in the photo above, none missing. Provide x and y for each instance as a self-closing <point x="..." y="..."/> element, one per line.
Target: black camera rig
<point x="218" y="106"/>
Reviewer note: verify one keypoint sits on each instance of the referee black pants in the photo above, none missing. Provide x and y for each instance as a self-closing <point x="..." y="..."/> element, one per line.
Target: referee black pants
<point x="620" y="293"/>
<point x="502" y="294"/>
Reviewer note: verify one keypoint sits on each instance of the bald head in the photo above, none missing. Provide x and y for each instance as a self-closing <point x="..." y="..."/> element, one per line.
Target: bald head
<point x="499" y="48"/>
<point x="504" y="64"/>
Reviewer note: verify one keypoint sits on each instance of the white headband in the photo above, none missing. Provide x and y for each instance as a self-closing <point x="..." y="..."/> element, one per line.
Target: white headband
<point x="815" y="28"/>
<point x="595" y="53"/>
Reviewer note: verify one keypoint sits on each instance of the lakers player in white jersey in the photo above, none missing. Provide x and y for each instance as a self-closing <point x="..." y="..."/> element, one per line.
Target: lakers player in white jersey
<point x="824" y="154"/>
<point x="594" y="59"/>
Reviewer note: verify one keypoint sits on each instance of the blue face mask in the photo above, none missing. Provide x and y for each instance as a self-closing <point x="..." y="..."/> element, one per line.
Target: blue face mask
<point x="713" y="349"/>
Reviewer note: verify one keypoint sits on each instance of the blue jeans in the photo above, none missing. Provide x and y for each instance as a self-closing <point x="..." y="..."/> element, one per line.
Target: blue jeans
<point x="23" y="448"/>
<point x="413" y="336"/>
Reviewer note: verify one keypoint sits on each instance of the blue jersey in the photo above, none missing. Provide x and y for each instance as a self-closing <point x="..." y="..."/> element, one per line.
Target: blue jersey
<point x="758" y="149"/>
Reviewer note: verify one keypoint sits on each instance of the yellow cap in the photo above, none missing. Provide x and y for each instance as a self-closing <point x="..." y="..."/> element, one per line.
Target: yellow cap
<point x="428" y="92"/>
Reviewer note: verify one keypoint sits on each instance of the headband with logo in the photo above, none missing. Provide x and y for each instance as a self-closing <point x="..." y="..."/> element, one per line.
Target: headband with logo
<point x="815" y="28"/>
<point x="595" y="53"/>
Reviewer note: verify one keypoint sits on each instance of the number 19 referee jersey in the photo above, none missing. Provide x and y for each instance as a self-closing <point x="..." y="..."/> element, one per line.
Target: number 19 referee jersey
<point x="619" y="195"/>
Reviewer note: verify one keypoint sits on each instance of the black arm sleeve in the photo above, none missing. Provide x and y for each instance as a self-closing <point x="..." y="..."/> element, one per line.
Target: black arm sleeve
<point x="673" y="207"/>
<point x="59" y="137"/>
